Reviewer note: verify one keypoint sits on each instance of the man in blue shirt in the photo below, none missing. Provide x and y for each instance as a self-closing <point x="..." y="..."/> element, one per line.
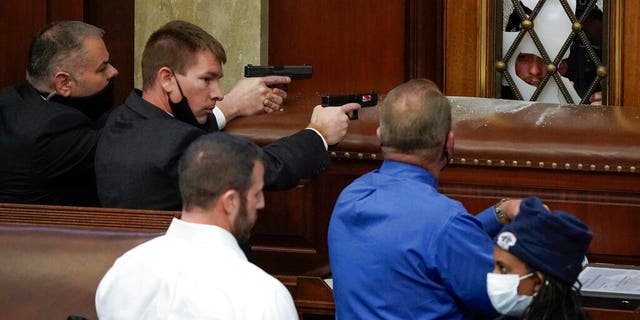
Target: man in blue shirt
<point x="398" y="248"/>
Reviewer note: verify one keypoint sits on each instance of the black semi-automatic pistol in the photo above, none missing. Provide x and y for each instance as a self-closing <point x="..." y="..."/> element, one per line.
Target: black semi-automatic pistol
<point x="294" y="71"/>
<point x="368" y="99"/>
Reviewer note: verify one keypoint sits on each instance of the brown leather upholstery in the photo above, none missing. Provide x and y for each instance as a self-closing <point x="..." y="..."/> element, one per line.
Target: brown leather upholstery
<point x="587" y="138"/>
<point x="53" y="257"/>
<point x="490" y="132"/>
<point x="51" y="273"/>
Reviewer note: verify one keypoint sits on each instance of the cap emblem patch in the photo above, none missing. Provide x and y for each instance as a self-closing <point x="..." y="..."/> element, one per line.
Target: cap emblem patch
<point x="506" y="240"/>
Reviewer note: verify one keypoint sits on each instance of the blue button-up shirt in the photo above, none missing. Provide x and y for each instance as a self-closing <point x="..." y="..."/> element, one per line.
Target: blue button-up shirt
<point x="401" y="250"/>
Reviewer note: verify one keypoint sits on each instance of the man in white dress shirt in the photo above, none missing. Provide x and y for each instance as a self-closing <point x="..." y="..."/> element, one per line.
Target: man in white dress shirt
<point x="197" y="270"/>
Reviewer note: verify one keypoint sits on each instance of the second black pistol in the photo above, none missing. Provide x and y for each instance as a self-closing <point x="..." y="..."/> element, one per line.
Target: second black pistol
<point x="368" y="99"/>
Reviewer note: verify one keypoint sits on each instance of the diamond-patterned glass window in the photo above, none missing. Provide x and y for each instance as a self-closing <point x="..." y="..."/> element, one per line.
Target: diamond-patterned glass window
<point x="551" y="50"/>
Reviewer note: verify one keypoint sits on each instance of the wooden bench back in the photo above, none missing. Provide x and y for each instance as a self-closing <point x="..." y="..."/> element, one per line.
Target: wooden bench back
<point x="53" y="257"/>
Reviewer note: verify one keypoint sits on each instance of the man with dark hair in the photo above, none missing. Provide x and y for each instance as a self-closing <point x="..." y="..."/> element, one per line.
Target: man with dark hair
<point x="197" y="270"/>
<point x="181" y="100"/>
<point x="398" y="248"/>
<point x="49" y="126"/>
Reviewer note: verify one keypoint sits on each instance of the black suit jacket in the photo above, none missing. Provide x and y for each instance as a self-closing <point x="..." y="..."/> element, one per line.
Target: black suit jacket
<point x="46" y="150"/>
<point x="140" y="147"/>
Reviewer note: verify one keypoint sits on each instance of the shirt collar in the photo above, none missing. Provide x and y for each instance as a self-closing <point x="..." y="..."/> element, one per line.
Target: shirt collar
<point x="145" y="108"/>
<point x="405" y="170"/>
<point x="204" y="234"/>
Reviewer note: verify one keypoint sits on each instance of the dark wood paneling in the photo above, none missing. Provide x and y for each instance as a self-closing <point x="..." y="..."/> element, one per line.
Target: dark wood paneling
<point x="461" y="34"/>
<point x="630" y="57"/>
<point x="608" y="314"/>
<point x="424" y="39"/>
<point x="65" y="10"/>
<point x="608" y="203"/>
<point x="19" y="21"/>
<point x="117" y="18"/>
<point x="352" y="45"/>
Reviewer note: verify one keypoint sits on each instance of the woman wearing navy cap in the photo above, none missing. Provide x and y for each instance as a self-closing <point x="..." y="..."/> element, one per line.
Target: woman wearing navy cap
<point x="538" y="258"/>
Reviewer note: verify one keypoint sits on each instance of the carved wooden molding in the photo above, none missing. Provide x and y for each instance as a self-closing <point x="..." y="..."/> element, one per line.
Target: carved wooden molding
<point x="86" y="217"/>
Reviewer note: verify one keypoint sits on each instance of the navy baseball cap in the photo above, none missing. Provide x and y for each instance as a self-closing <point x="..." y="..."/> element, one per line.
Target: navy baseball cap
<point x="554" y="242"/>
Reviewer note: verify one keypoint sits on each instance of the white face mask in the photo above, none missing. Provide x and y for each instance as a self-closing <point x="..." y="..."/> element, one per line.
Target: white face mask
<point x="503" y="293"/>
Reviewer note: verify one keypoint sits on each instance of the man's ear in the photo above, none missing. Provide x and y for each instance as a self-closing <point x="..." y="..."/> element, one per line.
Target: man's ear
<point x="62" y="83"/>
<point x="231" y="204"/>
<point x="165" y="77"/>
<point x="450" y="143"/>
<point x="379" y="135"/>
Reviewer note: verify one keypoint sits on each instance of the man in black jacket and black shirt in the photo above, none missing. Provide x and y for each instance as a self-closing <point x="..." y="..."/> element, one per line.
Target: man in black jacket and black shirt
<point x="49" y="126"/>
<point x="181" y="100"/>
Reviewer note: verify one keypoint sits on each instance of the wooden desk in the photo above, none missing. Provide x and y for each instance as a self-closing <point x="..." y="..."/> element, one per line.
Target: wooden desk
<point x="314" y="300"/>
<point x="581" y="159"/>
